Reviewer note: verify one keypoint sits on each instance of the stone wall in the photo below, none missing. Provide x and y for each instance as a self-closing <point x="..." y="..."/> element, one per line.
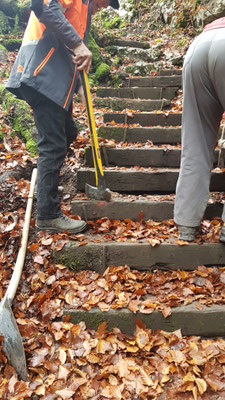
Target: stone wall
<point x="200" y="12"/>
<point x="209" y="10"/>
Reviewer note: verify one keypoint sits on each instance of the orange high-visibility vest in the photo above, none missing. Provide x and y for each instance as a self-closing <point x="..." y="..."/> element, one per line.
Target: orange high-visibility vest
<point x="44" y="61"/>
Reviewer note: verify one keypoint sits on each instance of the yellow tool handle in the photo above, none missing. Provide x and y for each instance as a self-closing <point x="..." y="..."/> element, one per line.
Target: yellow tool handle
<point x="92" y="127"/>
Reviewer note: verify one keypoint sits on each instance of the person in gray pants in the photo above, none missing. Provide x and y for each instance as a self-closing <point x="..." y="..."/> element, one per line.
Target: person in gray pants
<point x="203" y="107"/>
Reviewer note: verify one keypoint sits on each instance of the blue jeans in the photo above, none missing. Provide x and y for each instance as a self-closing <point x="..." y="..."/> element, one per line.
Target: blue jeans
<point x="56" y="131"/>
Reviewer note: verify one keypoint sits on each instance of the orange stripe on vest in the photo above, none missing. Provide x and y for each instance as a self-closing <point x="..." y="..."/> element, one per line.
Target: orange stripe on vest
<point x="42" y="64"/>
<point x="71" y="86"/>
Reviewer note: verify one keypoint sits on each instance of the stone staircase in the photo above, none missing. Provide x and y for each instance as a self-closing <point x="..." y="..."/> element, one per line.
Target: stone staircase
<point x="144" y="180"/>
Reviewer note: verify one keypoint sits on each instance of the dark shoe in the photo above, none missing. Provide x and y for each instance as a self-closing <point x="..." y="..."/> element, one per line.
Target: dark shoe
<point x="61" y="224"/>
<point x="187" y="233"/>
<point x="222" y="234"/>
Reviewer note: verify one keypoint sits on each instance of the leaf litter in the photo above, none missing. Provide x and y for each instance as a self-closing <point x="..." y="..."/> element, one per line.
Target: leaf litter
<point x="68" y="361"/>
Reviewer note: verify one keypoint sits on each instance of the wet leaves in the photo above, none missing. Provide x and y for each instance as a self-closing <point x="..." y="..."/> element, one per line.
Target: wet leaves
<point x="76" y="363"/>
<point x="67" y="361"/>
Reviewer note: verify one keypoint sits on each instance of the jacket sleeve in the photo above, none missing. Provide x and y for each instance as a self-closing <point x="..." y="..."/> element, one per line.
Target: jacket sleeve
<point x="53" y="18"/>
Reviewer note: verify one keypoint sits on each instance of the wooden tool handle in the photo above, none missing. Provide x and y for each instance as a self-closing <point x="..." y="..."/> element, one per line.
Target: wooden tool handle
<point x="14" y="282"/>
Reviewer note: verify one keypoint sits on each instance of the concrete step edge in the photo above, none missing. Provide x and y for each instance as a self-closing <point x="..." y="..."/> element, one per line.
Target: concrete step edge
<point x="141" y="256"/>
<point x="126" y="209"/>
<point x="119" y="104"/>
<point x="142" y="180"/>
<point x="208" y="322"/>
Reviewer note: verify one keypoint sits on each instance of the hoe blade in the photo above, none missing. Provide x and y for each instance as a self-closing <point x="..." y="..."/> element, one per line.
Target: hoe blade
<point x="12" y="344"/>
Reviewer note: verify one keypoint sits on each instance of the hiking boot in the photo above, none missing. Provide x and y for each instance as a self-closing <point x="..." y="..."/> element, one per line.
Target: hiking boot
<point x="188" y="233"/>
<point x="61" y="224"/>
<point x="222" y="233"/>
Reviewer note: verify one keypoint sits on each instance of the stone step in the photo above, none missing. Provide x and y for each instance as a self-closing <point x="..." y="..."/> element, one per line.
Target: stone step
<point x="138" y="93"/>
<point x="208" y="322"/>
<point x="131" y="43"/>
<point x="129" y="55"/>
<point x="118" y="104"/>
<point x="156" y="135"/>
<point x="144" y="119"/>
<point x="141" y="180"/>
<point x="155" y="208"/>
<point x="142" y="156"/>
<point x="162" y="135"/>
<point x="169" y="72"/>
<point x="141" y="256"/>
<point x="155" y="81"/>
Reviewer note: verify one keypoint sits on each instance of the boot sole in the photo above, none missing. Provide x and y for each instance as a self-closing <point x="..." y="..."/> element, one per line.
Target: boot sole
<point x="57" y="230"/>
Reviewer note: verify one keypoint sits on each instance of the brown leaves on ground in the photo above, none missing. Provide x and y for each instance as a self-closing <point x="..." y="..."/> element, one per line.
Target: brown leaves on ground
<point x="141" y="292"/>
<point x="151" y="231"/>
<point x="66" y="361"/>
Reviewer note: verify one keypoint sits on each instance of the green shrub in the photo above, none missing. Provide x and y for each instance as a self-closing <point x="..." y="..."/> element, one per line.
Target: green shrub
<point x="103" y="72"/>
<point x="116" y="22"/>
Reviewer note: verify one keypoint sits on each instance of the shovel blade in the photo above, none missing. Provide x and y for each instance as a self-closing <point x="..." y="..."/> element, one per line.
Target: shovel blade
<point x="12" y="344"/>
<point x="97" y="193"/>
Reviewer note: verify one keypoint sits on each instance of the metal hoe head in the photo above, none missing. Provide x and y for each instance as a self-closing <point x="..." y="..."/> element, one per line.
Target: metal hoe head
<point x="97" y="193"/>
<point x="12" y="344"/>
<point x="221" y="145"/>
<point x="221" y="155"/>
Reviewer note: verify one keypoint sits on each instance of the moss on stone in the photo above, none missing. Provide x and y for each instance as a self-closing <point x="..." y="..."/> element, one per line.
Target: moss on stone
<point x="4" y="26"/>
<point x="3" y="48"/>
<point x="68" y="259"/>
<point x="104" y="40"/>
<point x="3" y="60"/>
<point x="114" y="133"/>
<point x="112" y="50"/>
<point x="31" y="146"/>
<point x="94" y="48"/>
<point x="114" y="104"/>
<point x="117" y="81"/>
<point x="103" y="72"/>
<point x="12" y="44"/>
<point x="22" y="121"/>
<point x="77" y="258"/>
<point x="116" y="22"/>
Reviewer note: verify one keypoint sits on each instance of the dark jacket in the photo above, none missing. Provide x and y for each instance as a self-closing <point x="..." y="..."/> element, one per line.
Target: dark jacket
<point x="44" y="61"/>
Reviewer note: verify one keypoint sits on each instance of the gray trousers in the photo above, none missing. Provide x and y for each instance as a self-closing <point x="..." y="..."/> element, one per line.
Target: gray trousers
<point x="203" y="107"/>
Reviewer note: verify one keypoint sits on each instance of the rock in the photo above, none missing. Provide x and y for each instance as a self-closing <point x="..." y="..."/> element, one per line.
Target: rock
<point x="22" y="121"/>
<point x="209" y="11"/>
<point x="167" y="9"/>
<point x="147" y="55"/>
<point x="3" y="54"/>
<point x="140" y="68"/>
<point x="178" y="61"/>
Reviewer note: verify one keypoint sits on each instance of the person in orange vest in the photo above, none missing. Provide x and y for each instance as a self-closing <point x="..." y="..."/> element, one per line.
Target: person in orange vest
<point x="203" y="107"/>
<point x="45" y="75"/>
